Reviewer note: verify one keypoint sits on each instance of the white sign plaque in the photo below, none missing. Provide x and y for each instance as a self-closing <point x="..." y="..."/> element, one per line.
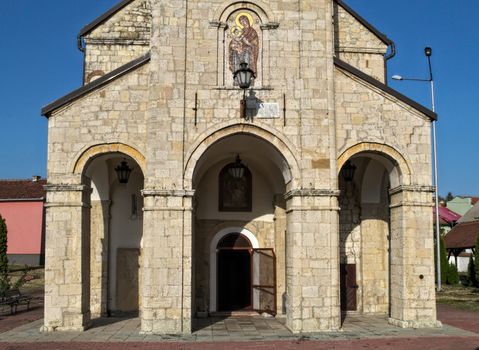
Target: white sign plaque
<point x="262" y="110"/>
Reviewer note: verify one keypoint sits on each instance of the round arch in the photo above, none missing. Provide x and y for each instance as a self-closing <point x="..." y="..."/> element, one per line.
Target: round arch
<point x="229" y="6"/>
<point x="97" y="150"/>
<point x="284" y="148"/>
<point x="402" y="164"/>
<point x="213" y="257"/>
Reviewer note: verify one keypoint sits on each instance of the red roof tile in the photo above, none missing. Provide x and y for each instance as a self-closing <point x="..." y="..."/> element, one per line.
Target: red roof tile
<point x="446" y="216"/>
<point x="462" y="235"/>
<point x="22" y="189"/>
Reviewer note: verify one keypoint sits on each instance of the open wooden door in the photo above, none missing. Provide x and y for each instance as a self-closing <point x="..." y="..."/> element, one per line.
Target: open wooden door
<point x="349" y="287"/>
<point x="264" y="280"/>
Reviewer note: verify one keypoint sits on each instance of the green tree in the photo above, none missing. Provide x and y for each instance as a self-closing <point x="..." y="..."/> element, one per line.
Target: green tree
<point x="476" y="259"/>
<point x="449" y="197"/>
<point x="4" y="278"/>
<point x="452" y="274"/>
<point x="444" y="262"/>
<point x="471" y="272"/>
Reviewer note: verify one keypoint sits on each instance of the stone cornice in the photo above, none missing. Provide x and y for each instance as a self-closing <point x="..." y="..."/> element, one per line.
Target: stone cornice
<point x="269" y="26"/>
<point x="66" y="188"/>
<point x="151" y="192"/>
<point x="311" y="192"/>
<point x="117" y="41"/>
<point x="411" y="188"/>
<point x="218" y="24"/>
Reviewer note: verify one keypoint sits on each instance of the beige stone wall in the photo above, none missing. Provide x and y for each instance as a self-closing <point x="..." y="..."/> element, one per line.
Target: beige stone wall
<point x="119" y="40"/>
<point x="367" y="115"/>
<point x="356" y="45"/>
<point x="112" y="114"/>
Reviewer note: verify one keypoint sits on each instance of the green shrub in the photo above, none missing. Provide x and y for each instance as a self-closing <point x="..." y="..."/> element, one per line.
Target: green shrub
<point x="471" y="272"/>
<point x="476" y="259"/>
<point x="444" y="262"/>
<point x="452" y="274"/>
<point x="6" y="281"/>
<point x="4" y="277"/>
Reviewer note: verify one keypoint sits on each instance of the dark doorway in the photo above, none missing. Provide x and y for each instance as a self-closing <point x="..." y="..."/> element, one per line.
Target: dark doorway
<point x="348" y="287"/>
<point x="234" y="273"/>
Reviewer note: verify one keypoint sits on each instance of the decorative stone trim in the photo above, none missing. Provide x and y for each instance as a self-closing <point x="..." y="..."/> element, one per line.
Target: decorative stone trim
<point x="311" y="192"/>
<point x="218" y="24"/>
<point x="66" y="205"/>
<point x="269" y="26"/>
<point x="411" y="188"/>
<point x="99" y="149"/>
<point x="167" y="209"/>
<point x="394" y="154"/>
<point x="167" y="193"/>
<point x="258" y="88"/>
<point x="415" y="324"/>
<point x="66" y="188"/>
<point x="411" y="204"/>
<point x="312" y="208"/>
<point x="138" y="42"/>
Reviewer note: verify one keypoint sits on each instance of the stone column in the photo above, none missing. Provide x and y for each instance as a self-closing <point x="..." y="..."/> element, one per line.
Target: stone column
<point x="166" y="295"/>
<point x="67" y="257"/>
<point x="413" y="303"/>
<point x="100" y="220"/>
<point x="312" y="261"/>
<point x="280" y="247"/>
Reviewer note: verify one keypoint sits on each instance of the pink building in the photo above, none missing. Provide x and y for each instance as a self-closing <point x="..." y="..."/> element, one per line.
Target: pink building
<point x="22" y="207"/>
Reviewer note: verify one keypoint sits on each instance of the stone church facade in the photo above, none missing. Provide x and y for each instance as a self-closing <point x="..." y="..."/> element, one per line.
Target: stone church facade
<point x="311" y="201"/>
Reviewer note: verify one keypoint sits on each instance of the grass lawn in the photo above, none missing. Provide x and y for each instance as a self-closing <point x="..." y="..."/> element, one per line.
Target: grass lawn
<point x="465" y="298"/>
<point x="35" y="277"/>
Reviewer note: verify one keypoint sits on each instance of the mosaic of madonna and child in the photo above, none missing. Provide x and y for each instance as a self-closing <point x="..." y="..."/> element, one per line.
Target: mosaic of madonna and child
<point x="244" y="42"/>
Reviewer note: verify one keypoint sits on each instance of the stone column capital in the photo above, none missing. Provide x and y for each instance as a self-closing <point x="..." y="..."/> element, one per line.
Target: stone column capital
<point x="311" y="192"/>
<point x="411" y="188"/>
<point x="66" y="188"/>
<point x="411" y="196"/>
<point x="152" y="192"/>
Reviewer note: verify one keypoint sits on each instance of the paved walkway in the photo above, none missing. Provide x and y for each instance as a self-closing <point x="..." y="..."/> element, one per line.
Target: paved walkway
<point x="461" y="331"/>
<point x="233" y="329"/>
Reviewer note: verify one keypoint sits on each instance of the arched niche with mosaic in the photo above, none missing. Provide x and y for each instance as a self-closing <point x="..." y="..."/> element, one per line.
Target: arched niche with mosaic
<point x="243" y="37"/>
<point x="243" y="41"/>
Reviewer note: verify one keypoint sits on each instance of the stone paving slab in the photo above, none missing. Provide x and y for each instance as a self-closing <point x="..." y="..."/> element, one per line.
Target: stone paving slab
<point x="233" y="329"/>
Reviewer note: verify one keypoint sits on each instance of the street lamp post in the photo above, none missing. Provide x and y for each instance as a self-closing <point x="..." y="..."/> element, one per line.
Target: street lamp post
<point x="428" y="53"/>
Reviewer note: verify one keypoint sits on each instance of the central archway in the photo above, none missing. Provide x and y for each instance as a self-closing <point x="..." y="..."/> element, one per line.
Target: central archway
<point x="250" y="202"/>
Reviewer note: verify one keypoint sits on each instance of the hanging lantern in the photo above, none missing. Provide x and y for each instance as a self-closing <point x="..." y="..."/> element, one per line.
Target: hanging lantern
<point x="237" y="169"/>
<point x="244" y="76"/>
<point x="348" y="171"/>
<point x="123" y="172"/>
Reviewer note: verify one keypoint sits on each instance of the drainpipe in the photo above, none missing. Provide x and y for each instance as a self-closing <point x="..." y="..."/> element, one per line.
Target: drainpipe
<point x="82" y="48"/>
<point x="387" y="57"/>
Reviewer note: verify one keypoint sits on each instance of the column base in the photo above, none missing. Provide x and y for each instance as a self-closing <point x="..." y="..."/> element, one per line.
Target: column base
<point x="311" y="326"/>
<point x="165" y="327"/>
<point x="415" y="324"/>
<point x="50" y="329"/>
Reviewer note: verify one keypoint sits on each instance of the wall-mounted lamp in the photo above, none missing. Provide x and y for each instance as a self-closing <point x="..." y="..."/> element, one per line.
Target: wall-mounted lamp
<point x="348" y="171"/>
<point x="243" y="77"/>
<point x="123" y="172"/>
<point x="237" y="170"/>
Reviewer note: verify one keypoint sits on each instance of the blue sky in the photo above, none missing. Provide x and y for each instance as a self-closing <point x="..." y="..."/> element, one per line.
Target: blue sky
<point x="40" y="63"/>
